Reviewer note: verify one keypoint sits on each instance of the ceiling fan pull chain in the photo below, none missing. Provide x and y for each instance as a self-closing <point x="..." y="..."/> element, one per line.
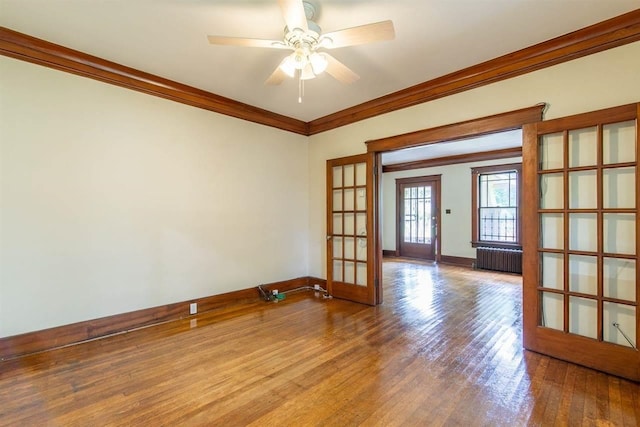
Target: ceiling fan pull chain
<point x="300" y="87"/>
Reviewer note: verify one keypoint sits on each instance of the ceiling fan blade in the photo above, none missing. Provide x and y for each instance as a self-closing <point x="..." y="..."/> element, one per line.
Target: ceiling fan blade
<point x="359" y="35"/>
<point x="293" y="13"/>
<point x="339" y="71"/>
<point x="239" y="41"/>
<point x="277" y="77"/>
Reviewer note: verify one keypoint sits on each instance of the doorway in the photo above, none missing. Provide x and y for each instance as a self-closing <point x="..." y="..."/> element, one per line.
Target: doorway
<point x="418" y="213"/>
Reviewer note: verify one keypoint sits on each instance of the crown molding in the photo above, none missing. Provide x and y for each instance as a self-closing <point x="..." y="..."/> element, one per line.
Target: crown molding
<point x="31" y="49"/>
<point x="605" y="35"/>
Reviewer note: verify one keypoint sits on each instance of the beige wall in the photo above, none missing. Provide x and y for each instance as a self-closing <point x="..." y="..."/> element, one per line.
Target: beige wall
<point x="597" y="81"/>
<point x="113" y="201"/>
<point x="455" y="184"/>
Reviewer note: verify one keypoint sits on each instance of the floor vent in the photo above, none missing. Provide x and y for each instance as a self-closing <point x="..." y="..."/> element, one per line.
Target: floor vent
<point x="497" y="259"/>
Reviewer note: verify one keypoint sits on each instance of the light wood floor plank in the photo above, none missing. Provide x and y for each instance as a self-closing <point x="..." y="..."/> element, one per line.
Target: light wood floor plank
<point x="445" y="349"/>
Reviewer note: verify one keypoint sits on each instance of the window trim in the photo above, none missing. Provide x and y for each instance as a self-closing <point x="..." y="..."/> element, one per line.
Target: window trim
<point x="475" y="229"/>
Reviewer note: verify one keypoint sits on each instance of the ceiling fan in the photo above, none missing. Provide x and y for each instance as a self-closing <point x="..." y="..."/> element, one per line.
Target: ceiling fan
<point x="305" y="38"/>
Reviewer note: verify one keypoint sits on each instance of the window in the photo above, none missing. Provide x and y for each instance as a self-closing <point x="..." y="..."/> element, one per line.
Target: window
<point x="496" y="205"/>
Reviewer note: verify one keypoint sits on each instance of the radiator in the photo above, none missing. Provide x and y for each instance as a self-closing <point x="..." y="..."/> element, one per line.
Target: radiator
<point x="507" y="260"/>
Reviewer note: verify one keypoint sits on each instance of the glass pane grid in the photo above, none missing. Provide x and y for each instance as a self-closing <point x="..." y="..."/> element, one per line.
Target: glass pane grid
<point x="587" y="257"/>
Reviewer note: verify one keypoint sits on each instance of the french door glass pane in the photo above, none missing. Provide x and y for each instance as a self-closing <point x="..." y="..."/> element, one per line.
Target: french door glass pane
<point x="337" y="176"/>
<point x="551" y="151"/>
<point x="349" y="272"/>
<point x="619" y="142"/>
<point x="583" y="147"/>
<point x="625" y="317"/>
<point x="361" y="199"/>
<point x="619" y="233"/>
<point x="619" y="278"/>
<point x="349" y="248"/>
<point x="337" y="200"/>
<point x="337" y="223"/>
<point x="551" y="231"/>
<point x="583" y="317"/>
<point x="349" y="179"/>
<point x="583" y="232"/>
<point x="361" y="249"/>
<point x="361" y="274"/>
<point x="552" y="273"/>
<point x="583" y="190"/>
<point x="619" y="188"/>
<point x="337" y="247"/>
<point x="349" y="202"/>
<point x="337" y="270"/>
<point x="552" y="315"/>
<point x="583" y="274"/>
<point x="349" y="226"/>
<point x="361" y="174"/>
<point x="552" y="191"/>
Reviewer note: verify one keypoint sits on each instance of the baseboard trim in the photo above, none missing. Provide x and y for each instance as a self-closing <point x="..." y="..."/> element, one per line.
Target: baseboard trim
<point x="458" y="261"/>
<point x="75" y="333"/>
<point x="389" y="253"/>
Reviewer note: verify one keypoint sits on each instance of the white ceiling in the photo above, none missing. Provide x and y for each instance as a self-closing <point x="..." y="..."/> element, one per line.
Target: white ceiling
<point x="494" y="141"/>
<point x="433" y="37"/>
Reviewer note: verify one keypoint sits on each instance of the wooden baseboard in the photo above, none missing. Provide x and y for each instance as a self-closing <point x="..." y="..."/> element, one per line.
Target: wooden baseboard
<point x="61" y="336"/>
<point x="389" y="253"/>
<point x="457" y="260"/>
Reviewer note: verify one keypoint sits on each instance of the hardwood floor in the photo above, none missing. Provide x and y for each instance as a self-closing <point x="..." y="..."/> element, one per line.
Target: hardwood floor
<point x="444" y="349"/>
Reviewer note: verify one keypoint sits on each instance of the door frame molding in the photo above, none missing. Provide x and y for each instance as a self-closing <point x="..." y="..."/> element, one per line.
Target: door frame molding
<point x="436" y="179"/>
<point x="514" y="119"/>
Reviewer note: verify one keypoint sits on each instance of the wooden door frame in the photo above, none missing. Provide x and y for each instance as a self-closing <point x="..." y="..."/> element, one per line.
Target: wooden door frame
<point x="515" y="119"/>
<point x="436" y="179"/>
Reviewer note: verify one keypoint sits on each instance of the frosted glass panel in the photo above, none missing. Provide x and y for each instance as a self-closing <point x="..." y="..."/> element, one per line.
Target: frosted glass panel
<point x="619" y="142"/>
<point x="337" y="200"/>
<point x="552" y="270"/>
<point x="361" y="274"/>
<point x="337" y="223"/>
<point x="552" y="191"/>
<point x="625" y="316"/>
<point x="619" y="188"/>
<point x="620" y="233"/>
<point x="348" y="176"/>
<point x="337" y="176"/>
<point x="361" y="249"/>
<point x="620" y="278"/>
<point x="583" y="147"/>
<point x="552" y="311"/>
<point x="361" y="199"/>
<point x="361" y="174"/>
<point x="583" y="317"/>
<point x="583" y="274"/>
<point x="583" y="232"/>
<point x="583" y="190"/>
<point x="552" y="231"/>
<point x="349" y="224"/>
<point x="349" y="201"/>
<point x="337" y="247"/>
<point x="349" y="272"/>
<point x="337" y="270"/>
<point x="349" y="248"/>
<point x="551" y="151"/>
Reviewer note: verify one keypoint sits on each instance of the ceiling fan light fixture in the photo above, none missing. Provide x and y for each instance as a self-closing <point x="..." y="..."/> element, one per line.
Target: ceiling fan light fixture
<point x="288" y="65"/>
<point x="307" y="73"/>
<point x="318" y="62"/>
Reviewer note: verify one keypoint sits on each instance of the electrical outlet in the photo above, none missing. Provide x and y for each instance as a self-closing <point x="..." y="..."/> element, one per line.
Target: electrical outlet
<point x="193" y="308"/>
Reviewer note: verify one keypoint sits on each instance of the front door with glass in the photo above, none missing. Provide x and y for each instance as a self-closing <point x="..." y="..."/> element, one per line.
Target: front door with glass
<point x="417" y="216"/>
